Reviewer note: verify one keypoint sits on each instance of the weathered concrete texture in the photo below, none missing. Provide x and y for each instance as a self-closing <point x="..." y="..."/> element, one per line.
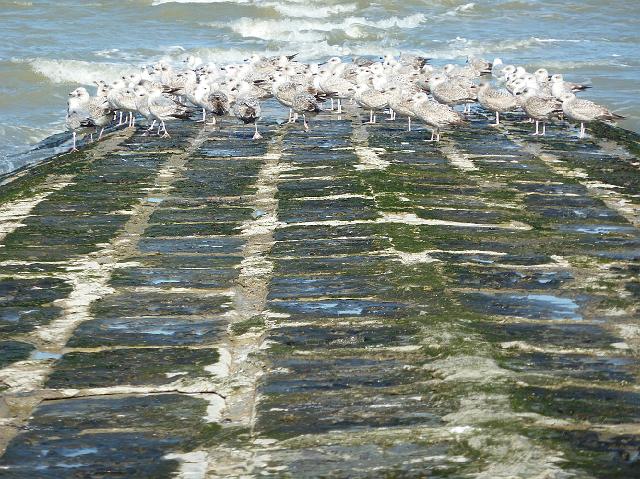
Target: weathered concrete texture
<point x="349" y="302"/>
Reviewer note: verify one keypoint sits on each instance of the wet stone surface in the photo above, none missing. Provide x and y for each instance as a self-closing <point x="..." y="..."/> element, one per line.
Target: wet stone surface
<point x="352" y="302"/>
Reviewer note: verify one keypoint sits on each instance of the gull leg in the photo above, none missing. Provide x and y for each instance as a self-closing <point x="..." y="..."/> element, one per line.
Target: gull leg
<point x="74" y="142"/>
<point x="331" y="104"/>
<point x="432" y="135"/>
<point x="375" y="118"/>
<point x="166" y="133"/>
<point x="370" y="116"/>
<point x="120" y="120"/>
<point x="133" y="120"/>
<point x="91" y="136"/>
<point x="204" y="116"/>
<point x="213" y="123"/>
<point x="290" y="116"/>
<point x="256" y="135"/>
<point x="536" y="133"/>
<point x="150" y="128"/>
<point x="306" y="125"/>
<point x="339" y="106"/>
<point x="409" y="123"/>
<point x="544" y="128"/>
<point x="581" y="130"/>
<point x="100" y="135"/>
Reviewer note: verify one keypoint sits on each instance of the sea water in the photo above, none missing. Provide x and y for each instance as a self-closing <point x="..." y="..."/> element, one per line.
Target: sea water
<point x="50" y="47"/>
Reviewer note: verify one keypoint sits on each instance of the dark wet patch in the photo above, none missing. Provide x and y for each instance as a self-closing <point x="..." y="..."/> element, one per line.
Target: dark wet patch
<point x="115" y="436"/>
<point x="313" y="337"/>
<point x="136" y="367"/>
<point x="596" y="405"/>
<point x="12" y="351"/>
<point x="158" y="304"/>
<point x="155" y="331"/>
<point x="315" y="287"/>
<point x="556" y="335"/>
<point x="580" y="366"/>
<point x="338" y="308"/>
<point x="222" y="245"/>
<point x="469" y="276"/>
<point x="169" y="277"/>
<point x="531" y="306"/>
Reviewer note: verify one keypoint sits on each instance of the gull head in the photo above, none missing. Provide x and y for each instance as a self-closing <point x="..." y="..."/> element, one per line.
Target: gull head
<point x="541" y="74"/>
<point x="436" y="80"/>
<point x="508" y="70"/>
<point x="419" y="97"/>
<point x="557" y="78"/>
<point x="566" y="97"/>
<point x="79" y="92"/>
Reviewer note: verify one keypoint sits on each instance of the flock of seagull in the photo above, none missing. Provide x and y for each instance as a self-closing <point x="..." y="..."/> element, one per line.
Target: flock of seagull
<point x="406" y="86"/>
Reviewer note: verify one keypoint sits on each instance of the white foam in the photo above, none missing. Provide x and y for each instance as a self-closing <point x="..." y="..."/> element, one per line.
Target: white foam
<point x="315" y="12"/>
<point x="78" y="72"/>
<point x="162" y="2"/>
<point x="461" y="9"/>
<point x="301" y="30"/>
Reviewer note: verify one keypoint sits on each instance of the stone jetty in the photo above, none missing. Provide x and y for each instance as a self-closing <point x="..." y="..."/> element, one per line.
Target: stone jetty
<point x="352" y="302"/>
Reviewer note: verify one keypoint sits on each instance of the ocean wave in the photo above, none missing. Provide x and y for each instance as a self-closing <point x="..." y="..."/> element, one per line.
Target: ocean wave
<point x="155" y="3"/>
<point x="304" y="11"/>
<point x="460" y="9"/>
<point x="76" y="71"/>
<point x="461" y="47"/>
<point x="298" y="30"/>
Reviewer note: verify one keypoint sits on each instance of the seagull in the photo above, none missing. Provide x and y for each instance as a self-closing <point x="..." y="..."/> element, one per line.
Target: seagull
<point x="247" y="110"/>
<point x="559" y="87"/>
<point x="436" y="115"/>
<point x="499" y="101"/>
<point x="163" y="108"/>
<point x="539" y="108"/>
<point x="142" y="105"/>
<point x="216" y="101"/>
<point x="77" y="112"/>
<point x="305" y="103"/>
<point x="452" y="91"/>
<point x="99" y="113"/>
<point x="585" y="111"/>
<point x="371" y="99"/>
<point x="400" y="102"/>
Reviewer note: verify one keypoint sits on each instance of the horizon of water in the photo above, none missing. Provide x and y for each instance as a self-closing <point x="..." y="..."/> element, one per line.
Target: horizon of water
<point x="50" y="47"/>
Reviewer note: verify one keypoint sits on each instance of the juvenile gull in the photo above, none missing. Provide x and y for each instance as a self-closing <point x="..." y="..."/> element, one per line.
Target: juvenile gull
<point x="216" y="102"/>
<point x="452" y="91"/>
<point x="400" y="102"/>
<point x="499" y="101"/>
<point x="585" y="111"/>
<point x="371" y="99"/>
<point x="164" y="108"/>
<point x="540" y="108"/>
<point x="436" y="115"/>
<point x="304" y="104"/>
<point x="99" y="112"/>
<point x="247" y="110"/>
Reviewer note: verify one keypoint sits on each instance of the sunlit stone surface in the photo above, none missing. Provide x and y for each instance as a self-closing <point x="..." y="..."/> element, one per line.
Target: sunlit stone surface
<point x="349" y="302"/>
